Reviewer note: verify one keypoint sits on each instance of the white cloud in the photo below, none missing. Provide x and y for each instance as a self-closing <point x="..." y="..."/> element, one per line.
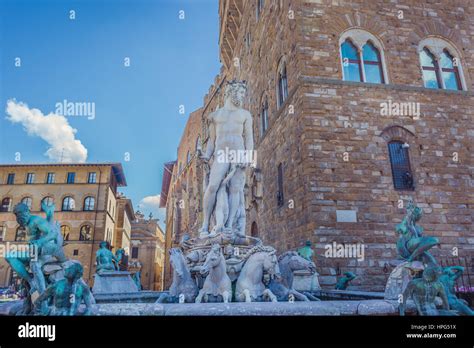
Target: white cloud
<point x="151" y="204"/>
<point x="52" y="128"/>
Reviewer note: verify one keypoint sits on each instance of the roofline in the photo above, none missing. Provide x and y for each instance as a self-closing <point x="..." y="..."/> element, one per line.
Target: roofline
<point x="77" y="164"/>
<point x="166" y="182"/>
<point x="117" y="169"/>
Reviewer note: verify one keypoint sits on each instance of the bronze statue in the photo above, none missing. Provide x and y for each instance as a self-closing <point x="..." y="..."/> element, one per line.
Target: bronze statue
<point x="412" y="245"/>
<point x="122" y="259"/>
<point x="448" y="279"/>
<point x="105" y="259"/>
<point x="343" y="282"/>
<point x="68" y="293"/>
<point x="306" y="251"/>
<point x="45" y="238"/>
<point x="423" y="291"/>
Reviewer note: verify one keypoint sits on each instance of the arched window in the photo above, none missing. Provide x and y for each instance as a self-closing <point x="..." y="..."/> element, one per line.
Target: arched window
<point x="430" y="68"/>
<point x="188" y="157"/>
<point x="264" y="117"/>
<point x="28" y="201"/>
<point x="6" y="205"/>
<point x="20" y="235"/>
<point x="450" y="71"/>
<point x="372" y="64"/>
<point x="400" y="163"/>
<point x="282" y="84"/>
<point x="68" y="204"/>
<point x="89" y="203"/>
<point x="85" y="233"/>
<point x="65" y="230"/>
<point x="351" y="62"/>
<point x="254" y="230"/>
<point x="47" y="201"/>
<point x="362" y="57"/>
<point x="440" y="64"/>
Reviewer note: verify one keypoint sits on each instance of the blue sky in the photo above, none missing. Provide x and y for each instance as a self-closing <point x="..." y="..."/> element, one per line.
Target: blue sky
<point x="172" y="62"/>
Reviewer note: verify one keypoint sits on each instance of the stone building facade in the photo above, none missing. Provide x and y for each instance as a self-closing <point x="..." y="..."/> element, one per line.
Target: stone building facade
<point x="358" y="107"/>
<point x="123" y="228"/>
<point x="182" y="187"/>
<point x="147" y="253"/>
<point x="85" y="198"/>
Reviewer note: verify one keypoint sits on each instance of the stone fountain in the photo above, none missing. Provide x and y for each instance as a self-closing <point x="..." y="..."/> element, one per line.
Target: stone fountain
<point x="222" y="270"/>
<point x="227" y="264"/>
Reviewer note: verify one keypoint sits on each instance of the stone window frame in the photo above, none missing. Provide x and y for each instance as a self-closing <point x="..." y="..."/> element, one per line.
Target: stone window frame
<point x="71" y="178"/>
<point x="132" y="253"/>
<point x="73" y="204"/>
<point x="282" y="67"/>
<point x="248" y="41"/>
<point x="65" y="237"/>
<point x="357" y="61"/>
<point x="86" y="224"/>
<point x="30" y="206"/>
<point x="198" y="145"/>
<point x="12" y="177"/>
<point x="359" y="37"/>
<point x="92" y="177"/>
<point x="9" y="208"/>
<point x="280" y="185"/>
<point x="436" y="46"/>
<point x="188" y="157"/>
<point x="3" y="232"/>
<point x="260" y="5"/>
<point x="45" y="197"/>
<point x="30" y="178"/>
<point x="263" y="105"/>
<point x="23" y="229"/>
<point x="397" y="133"/>
<point x="88" y="197"/>
<point x="50" y="178"/>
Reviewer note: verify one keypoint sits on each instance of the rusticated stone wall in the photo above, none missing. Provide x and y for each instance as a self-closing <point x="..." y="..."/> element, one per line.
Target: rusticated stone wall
<point x="331" y="137"/>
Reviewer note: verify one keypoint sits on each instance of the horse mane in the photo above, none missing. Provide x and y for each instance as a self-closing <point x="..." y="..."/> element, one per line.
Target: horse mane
<point x="286" y="254"/>
<point x="258" y="249"/>
<point x="181" y="257"/>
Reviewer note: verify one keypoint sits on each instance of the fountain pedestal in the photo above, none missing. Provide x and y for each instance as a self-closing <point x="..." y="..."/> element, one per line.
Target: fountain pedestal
<point x="113" y="282"/>
<point x="306" y="281"/>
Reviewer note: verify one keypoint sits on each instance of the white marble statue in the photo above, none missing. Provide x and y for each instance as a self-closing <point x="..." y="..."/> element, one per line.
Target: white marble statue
<point x="231" y="147"/>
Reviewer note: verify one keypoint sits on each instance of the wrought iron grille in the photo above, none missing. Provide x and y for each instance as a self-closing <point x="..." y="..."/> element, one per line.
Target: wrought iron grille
<point x="466" y="281"/>
<point x="401" y="170"/>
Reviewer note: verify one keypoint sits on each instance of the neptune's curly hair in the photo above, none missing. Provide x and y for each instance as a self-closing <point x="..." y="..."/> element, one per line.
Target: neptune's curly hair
<point x="233" y="85"/>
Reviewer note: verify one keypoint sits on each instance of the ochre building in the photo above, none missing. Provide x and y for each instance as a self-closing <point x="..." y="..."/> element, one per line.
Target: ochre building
<point x="88" y="207"/>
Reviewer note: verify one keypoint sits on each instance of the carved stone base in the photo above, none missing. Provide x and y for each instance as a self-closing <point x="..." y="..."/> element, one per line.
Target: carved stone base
<point x="399" y="278"/>
<point x="305" y="281"/>
<point x="113" y="282"/>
